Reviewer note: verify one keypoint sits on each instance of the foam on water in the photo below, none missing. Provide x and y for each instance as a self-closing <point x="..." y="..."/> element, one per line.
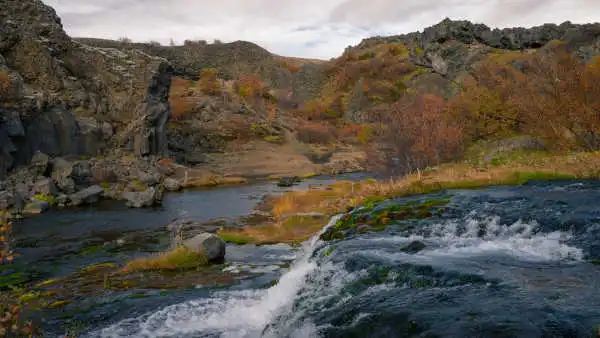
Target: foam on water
<point x="227" y="313"/>
<point x="522" y="240"/>
<point x="283" y="309"/>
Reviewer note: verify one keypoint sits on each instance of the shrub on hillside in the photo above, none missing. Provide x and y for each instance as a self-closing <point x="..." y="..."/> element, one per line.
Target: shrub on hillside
<point x="208" y="82"/>
<point x="4" y="82"/>
<point x="250" y="87"/>
<point x="552" y="95"/>
<point x="414" y="133"/>
<point x="315" y="133"/>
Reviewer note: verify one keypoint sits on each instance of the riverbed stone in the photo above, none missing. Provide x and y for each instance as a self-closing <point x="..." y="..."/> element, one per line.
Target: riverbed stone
<point x="141" y="199"/>
<point x="87" y="196"/>
<point x="413" y="247"/>
<point x="288" y="181"/>
<point x="36" y="207"/>
<point x="44" y="187"/>
<point x="62" y="200"/>
<point x="172" y="184"/>
<point x="209" y="244"/>
<point x="6" y="200"/>
<point x="40" y="161"/>
<point x="151" y="178"/>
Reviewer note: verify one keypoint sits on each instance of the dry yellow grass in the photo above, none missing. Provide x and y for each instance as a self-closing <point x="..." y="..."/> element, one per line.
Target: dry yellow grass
<point x="4" y="81"/>
<point x="179" y="258"/>
<point x="338" y="197"/>
<point x="292" y="230"/>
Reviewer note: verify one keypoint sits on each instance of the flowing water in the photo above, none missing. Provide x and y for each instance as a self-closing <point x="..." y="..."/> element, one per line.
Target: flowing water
<point x="498" y="262"/>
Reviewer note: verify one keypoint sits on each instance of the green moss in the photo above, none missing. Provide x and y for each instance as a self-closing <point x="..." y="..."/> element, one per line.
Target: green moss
<point x="29" y="297"/>
<point x="105" y="185"/>
<point x="60" y="304"/>
<point x="45" y="198"/>
<point x="138" y="295"/>
<point x="47" y="283"/>
<point x="274" y="139"/>
<point x="366" y="56"/>
<point x="235" y="239"/>
<point x="91" y="250"/>
<point x="378" y="219"/>
<point x="13" y="280"/>
<point x="308" y="175"/>
<point x="96" y="267"/>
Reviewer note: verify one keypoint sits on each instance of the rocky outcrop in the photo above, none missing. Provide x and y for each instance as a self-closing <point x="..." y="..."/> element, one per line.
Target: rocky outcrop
<point x="450" y="46"/>
<point x="63" y="98"/>
<point x="231" y="59"/>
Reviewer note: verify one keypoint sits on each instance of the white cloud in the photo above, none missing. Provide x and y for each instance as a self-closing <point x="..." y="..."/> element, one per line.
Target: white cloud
<point x="307" y="28"/>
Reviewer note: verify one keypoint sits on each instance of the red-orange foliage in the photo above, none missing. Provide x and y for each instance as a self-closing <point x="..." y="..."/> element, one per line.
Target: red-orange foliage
<point x="180" y="97"/>
<point x="553" y="95"/>
<point x="4" y="82"/>
<point x="250" y="87"/>
<point x="414" y="133"/>
<point x="315" y="133"/>
<point x="561" y="101"/>
<point x="6" y="253"/>
<point x="209" y="81"/>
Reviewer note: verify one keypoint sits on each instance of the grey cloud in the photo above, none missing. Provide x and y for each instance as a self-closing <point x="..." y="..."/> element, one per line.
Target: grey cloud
<point x="298" y="27"/>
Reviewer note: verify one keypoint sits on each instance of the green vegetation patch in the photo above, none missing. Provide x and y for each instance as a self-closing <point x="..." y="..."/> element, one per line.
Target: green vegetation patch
<point x="234" y="239"/>
<point x="372" y="216"/>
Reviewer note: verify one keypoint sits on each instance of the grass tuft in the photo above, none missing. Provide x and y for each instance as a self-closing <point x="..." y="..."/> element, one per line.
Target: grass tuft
<point x="179" y="258"/>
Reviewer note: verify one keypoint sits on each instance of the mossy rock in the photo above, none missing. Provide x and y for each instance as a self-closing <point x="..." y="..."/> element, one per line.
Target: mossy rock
<point x="377" y="216"/>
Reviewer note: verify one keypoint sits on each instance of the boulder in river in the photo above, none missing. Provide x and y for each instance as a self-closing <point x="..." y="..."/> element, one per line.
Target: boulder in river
<point x="288" y="181"/>
<point x="210" y="244"/>
<point x="172" y="184"/>
<point x="87" y="196"/>
<point x="413" y="247"/>
<point x="141" y="199"/>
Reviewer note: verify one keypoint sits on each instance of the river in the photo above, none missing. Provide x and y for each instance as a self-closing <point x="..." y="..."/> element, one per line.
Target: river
<point x="499" y="262"/>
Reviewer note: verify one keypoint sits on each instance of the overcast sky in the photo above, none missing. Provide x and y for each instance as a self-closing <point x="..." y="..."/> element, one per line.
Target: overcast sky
<point x="303" y="28"/>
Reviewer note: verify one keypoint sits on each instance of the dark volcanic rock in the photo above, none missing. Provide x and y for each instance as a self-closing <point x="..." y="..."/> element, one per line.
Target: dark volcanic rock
<point x="209" y="244"/>
<point x="66" y="98"/>
<point x="413" y="247"/>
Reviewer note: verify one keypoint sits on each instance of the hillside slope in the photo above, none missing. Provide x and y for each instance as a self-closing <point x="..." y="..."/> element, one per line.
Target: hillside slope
<point x="60" y="97"/>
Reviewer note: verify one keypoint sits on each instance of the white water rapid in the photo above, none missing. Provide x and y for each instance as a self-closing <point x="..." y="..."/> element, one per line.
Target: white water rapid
<point x="226" y="313"/>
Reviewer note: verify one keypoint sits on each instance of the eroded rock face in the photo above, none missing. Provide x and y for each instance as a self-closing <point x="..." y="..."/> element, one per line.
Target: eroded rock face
<point x="61" y="97"/>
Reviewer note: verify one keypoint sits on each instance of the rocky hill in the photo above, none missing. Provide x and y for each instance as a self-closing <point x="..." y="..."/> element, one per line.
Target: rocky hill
<point x="61" y="97"/>
<point x="231" y="59"/>
<point x="380" y="69"/>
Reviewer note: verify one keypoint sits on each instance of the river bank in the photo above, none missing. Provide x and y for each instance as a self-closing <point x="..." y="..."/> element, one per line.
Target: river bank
<point x="509" y="168"/>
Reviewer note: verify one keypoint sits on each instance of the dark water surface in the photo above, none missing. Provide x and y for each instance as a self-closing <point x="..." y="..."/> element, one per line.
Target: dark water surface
<point x="499" y="262"/>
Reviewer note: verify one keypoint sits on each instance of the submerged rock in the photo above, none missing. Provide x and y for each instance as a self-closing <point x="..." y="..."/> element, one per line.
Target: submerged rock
<point x="413" y="247"/>
<point x="288" y="181"/>
<point x="211" y="245"/>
